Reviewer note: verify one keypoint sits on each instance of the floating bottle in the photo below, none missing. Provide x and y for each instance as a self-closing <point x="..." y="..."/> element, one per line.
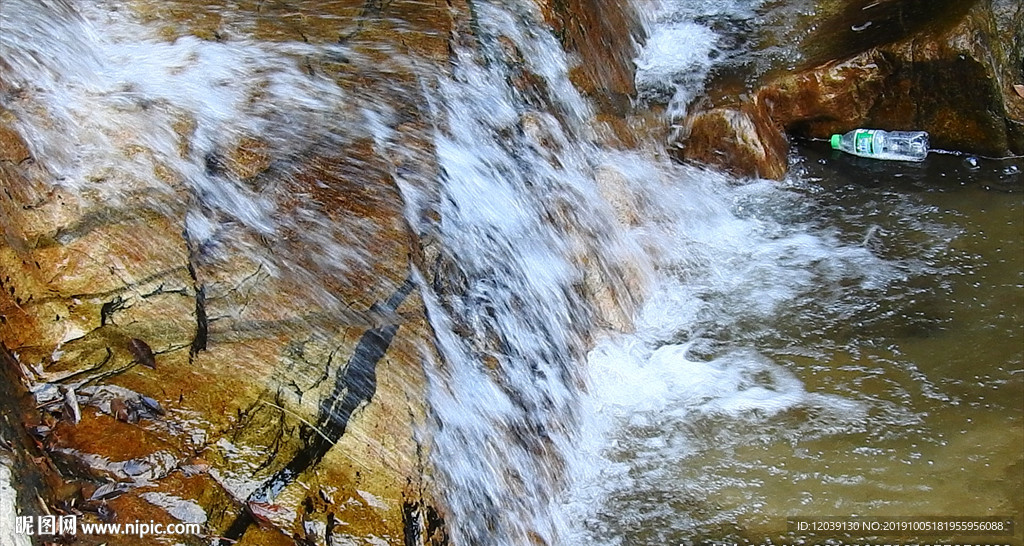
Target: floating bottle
<point x="878" y="144"/>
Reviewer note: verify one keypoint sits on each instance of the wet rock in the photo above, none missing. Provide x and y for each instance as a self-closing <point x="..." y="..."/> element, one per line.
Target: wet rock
<point x="947" y="68"/>
<point x="282" y="381"/>
<point x="249" y="158"/>
<point x="12" y="147"/>
<point x="604" y="35"/>
<point x="615" y="190"/>
<point x="950" y="81"/>
<point x="741" y="140"/>
<point x="251" y="333"/>
<point x="258" y="380"/>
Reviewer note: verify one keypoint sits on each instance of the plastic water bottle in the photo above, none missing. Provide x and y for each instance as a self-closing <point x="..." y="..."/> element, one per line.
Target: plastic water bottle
<point x="879" y="144"/>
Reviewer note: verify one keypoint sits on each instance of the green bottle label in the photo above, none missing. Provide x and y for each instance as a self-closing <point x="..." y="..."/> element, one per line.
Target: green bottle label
<point x="864" y="142"/>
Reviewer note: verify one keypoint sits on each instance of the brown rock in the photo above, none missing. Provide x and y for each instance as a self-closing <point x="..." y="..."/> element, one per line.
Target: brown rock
<point x="249" y="158"/>
<point x="741" y="140"/>
<point x="944" y="79"/>
<point x="603" y="34"/>
<point x="825" y="100"/>
<point x="12" y="147"/>
<point x="945" y="67"/>
<point x="78" y="307"/>
<point x="249" y="340"/>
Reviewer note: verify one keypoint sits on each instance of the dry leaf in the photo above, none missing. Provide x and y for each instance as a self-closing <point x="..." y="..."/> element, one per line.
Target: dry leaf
<point x="1019" y="89"/>
<point x="120" y="410"/>
<point x="108" y="491"/>
<point x="142" y="353"/>
<point x="152" y="405"/>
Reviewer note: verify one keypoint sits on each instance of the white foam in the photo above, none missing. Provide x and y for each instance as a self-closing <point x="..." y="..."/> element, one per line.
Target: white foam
<point x="682" y="47"/>
<point x="676" y="56"/>
<point x="725" y="257"/>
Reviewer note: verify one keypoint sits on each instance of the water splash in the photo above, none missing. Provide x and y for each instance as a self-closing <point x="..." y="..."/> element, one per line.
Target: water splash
<point x="120" y="115"/>
<point x="521" y="224"/>
<point x="546" y="242"/>
<point x="688" y="39"/>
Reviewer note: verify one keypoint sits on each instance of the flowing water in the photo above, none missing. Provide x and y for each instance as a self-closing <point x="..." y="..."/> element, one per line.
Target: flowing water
<point x="857" y="351"/>
<point x="845" y="342"/>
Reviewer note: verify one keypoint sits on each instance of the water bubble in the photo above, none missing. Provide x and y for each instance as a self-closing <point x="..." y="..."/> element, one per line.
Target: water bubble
<point x="971" y="162"/>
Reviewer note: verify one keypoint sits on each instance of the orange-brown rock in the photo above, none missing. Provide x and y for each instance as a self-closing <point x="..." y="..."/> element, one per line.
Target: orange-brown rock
<point x="603" y="34"/>
<point x="77" y="301"/>
<point x="947" y="68"/>
<point x="947" y="80"/>
<point x="741" y="140"/>
<point x="257" y="341"/>
<point x="12" y="147"/>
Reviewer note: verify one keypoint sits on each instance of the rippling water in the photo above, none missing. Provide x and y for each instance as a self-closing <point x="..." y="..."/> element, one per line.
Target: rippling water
<point x="859" y="354"/>
<point x="846" y="342"/>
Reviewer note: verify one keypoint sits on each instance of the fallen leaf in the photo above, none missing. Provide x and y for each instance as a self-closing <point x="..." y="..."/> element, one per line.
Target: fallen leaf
<point x="108" y="491"/>
<point x="119" y="410"/>
<point x="142" y="353"/>
<point x="152" y="405"/>
<point x="194" y="469"/>
<point x="1019" y="89"/>
<point x="137" y="467"/>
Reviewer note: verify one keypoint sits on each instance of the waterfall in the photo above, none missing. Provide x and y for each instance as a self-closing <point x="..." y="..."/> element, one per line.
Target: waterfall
<point x="592" y="308"/>
<point x="521" y="223"/>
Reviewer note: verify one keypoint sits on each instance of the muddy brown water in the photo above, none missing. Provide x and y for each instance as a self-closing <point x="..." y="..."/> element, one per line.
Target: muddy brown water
<point x="937" y="357"/>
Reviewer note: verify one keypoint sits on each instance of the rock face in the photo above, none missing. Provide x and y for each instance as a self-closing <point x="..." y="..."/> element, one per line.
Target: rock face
<point x="209" y="303"/>
<point x="947" y="68"/>
<point x="264" y="384"/>
<point x="175" y="388"/>
<point x="604" y="35"/>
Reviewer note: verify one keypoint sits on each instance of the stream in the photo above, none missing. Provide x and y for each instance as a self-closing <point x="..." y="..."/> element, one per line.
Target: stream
<point x="848" y="341"/>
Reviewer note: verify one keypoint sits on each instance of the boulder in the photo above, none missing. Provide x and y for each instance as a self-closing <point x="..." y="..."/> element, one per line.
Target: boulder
<point x="741" y="140"/>
<point x="249" y="399"/>
<point x="946" y="68"/>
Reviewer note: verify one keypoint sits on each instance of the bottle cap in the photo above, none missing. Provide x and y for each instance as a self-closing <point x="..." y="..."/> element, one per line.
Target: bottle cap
<point x="836" y="139"/>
